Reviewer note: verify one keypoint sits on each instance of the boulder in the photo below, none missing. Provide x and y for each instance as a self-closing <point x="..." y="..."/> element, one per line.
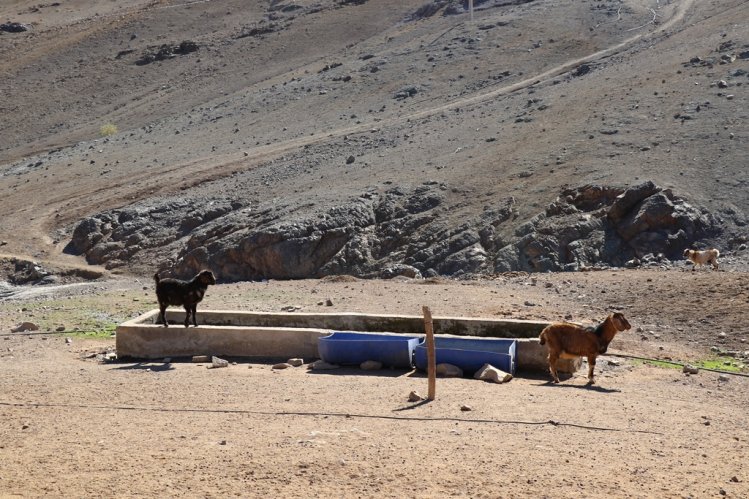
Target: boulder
<point x="219" y="362"/>
<point x="449" y="371"/>
<point x="491" y="373"/>
<point x="627" y="200"/>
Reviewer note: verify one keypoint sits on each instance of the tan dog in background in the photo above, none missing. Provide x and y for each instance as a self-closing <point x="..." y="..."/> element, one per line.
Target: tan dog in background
<point x="703" y="257"/>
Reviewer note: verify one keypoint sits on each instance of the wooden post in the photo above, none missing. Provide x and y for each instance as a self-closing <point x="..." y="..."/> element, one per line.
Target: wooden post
<point x="470" y="7"/>
<point x="431" y="356"/>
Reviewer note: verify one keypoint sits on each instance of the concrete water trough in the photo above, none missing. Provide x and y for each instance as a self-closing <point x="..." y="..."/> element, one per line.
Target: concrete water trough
<point x="284" y="335"/>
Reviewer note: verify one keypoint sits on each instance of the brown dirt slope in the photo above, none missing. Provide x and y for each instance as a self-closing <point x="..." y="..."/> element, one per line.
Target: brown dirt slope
<point x="501" y="107"/>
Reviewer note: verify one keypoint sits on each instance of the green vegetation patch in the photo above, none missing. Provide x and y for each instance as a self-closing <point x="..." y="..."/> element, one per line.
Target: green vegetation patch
<point x="90" y="316"/>
<point x="727" y="364"/>
<point x="721" y="364"/>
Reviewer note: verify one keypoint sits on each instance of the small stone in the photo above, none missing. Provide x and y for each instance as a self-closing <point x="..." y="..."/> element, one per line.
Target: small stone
<point x="68" y="341"/>
<point x="722" y="84"/>
<point x="222" y="442"/>
<point x="613" y="362"/>
<point x="201" y="358"/>
<point x="491" y="373"/>
<point x="735" y="479"/>
<point x="321" y="365"/>
<point x="371" y="365"/>
<point x="25" y="326"/>
<point x="60" y="329"/>
<point x="449" y="371"/>
<point x="295" y="362"/>
<point x="415" y="397"/>
<point x="281" y="365"/>
<point x="723" y="377"/>
<point x="350" y="160"/>
<point x="466" y="408"/>
<point x="687" y="369"/>
<point x="219" y="362"/>
<point x="328" y="302"/>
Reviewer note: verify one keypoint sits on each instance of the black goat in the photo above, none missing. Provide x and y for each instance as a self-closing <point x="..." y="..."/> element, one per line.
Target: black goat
<point x="186" y="293"/>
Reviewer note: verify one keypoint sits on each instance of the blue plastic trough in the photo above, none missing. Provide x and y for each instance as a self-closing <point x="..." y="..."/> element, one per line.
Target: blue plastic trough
<point x="470" y="354"/>
<point x="347" y="348"/>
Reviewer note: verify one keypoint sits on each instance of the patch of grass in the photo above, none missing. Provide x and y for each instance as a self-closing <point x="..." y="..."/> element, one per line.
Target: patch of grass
<point x="108" y="130"/>
<point x="93" y="315"/>
<point x="727" y="364"/>
<point x="721" y="364"/>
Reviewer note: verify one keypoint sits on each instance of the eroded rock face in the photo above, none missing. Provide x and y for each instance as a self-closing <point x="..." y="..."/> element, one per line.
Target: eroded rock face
<point x="394" y="233"/>
<point x="595" y="225"/>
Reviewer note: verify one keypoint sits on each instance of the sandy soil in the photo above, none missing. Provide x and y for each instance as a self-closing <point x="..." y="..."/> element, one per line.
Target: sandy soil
<point x="75" y="426"/>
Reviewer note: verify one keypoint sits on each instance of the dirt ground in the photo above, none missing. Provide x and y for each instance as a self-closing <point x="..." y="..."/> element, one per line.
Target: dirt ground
<point x="76" y="426"/>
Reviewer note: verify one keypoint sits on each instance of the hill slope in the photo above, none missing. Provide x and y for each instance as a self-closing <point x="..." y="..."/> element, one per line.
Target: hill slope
<point x="298" y="139"/>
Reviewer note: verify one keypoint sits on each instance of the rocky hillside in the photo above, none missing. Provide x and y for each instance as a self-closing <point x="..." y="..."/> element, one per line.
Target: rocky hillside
<point x="300" y="139"/>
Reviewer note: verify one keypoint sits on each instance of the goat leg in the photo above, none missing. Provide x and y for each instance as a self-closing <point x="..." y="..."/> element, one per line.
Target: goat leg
<point x="553" y="366"/>
<point x="591" y="367"/>
<point x="162" y="314"/>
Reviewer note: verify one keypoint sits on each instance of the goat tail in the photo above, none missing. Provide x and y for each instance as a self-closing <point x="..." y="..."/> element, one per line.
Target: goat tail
<point x="156" y="277"/>
<point x="542" y="338"/>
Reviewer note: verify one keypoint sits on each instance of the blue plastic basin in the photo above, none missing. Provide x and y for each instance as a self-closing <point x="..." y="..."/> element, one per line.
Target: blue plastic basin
<point x="347" y="348"/>
<point x="470" y="354"/>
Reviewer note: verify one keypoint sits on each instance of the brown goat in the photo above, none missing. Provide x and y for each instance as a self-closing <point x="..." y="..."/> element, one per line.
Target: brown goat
<point x="186" y="293"/>
<point x="569" y="341"/>
<point x="704" y="257"/>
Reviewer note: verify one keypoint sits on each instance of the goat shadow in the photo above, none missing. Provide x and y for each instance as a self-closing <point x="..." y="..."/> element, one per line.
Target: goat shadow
<point x="586" y="386"/>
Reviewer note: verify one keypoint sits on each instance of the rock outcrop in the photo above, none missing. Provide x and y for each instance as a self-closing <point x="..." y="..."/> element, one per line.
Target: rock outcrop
<point x="395" y="233"/>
